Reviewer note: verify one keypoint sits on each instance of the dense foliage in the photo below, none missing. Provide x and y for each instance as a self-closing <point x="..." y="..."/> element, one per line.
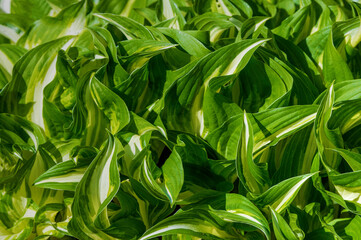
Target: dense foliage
<point x="180" y="120"/>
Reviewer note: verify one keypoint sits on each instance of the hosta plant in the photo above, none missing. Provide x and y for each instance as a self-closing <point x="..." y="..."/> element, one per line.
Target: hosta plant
<point x="180" y="120"/>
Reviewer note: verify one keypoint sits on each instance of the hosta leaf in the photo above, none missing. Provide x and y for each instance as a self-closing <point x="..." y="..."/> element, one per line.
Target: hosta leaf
<point x="335" y="68"/>
<point x="20" y="140"/>
<point x="140" y="51"/>
<point x="9" y="33"/>
<point x="261" y="86"/>
<point x="63" y="176"/>
<point x="33" y="9"/>
<point x="252" y="27"/>
<point x="9" y="55"/>
<point x="180" y="237"/>
<point x="151" y="209"/>
<point x="46" y="222"/>
<point x="17" y="221"/>
<point x="70" y="21"/>
<point x="346" y="115"/>
<point x="216" y="23"/>
<point x="281" y="195"/>
<point x="280" y="122"/>
<point x="352" y="158"/>
<point x="98" y="186"/>
<point x="297" y="155"/>
<point x="149" y="14"/>
<point x="111" y="104"/>
<point x="185" y="96"/>
<point x="217" y="108"/>
<point x="145" y="47"/>
<point x="58" y="5"/>
<point x="347" y="227"/>
<point x="346" y="90"/>
<point x="130" y="28"/>
<point x="303" y="90"/>
<point x="105" y="43"/>
<point x="20" y="21"/>
<point x="96" y="122"/>
<point x="297" y="26"/>
<point x="126" y="228"/>
<point x="301" y="60"/>
<point x="254" y="177"/>
<point x="32" y="73"/>
<point x="186" y="41"/>
<point x="281" y="228"/>
<point x="144" y="85"/>
<point x="316" y="43"/>
<point x="324" y="19"/>
<point x="173" y="177"/>
<point x="236" y="209"/>
<point x="198" y="169"/>
<point x="233" y="7"/>
<point x="325" y="137"/>
<point x="239" y="209"/>
<point x="168" y="9"/>
<point x="125" y="9"/>
<point x="350" y="206"/>
<point x="172" y="182"/>
<point x="199" y="223"/>
<point x="39" y="164"/>
<point x="29" y="132"/>
<point x="348" y="185"/>
<point x="348" y="31"/>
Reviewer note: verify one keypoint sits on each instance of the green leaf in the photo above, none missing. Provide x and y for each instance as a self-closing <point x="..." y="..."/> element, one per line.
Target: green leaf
<point x="58" y="5"/>
<point x="111" y="104"/>
<point x="130" y="28"/>
<point x="168" y="9"/>
<point x="281" y="195"/>
<point x="172" y="182"/>
<point x="17" y="222"/>
<point x="34" y="9"/>
<point x="199" y="223"/>
<point x="63" y="176"/>
<point x="297" y="155"/>
<point x="334" y="66"/>
<point x="144" y="85"/>
<point x="189" y="43"/>
<point x="185" y="97"/>
<point x="9" y="55"/>
<point x="173" y="177"/>
<point x="213" y="223"/>
<point x="352" y="158"/>
<point x="348" y="185"/>
<point x="140" y="51"/>
<point x="252" y="27"/>
<point x="347" y="227"/>
<point x="269" y="127"/>
<point x="325" y="137"/>
<point x="70" y="21"/>
<point x="239" y="209"/>
<point x="261" y="86"/>
<point x="32" y="73"/>
<point x="98" y="186"/>
<point x="282" y="229"/>
<point x="297" y="26"/>
<point x="254" y="177"/>
<point x="215" y="23"/>
<point x="199" y="170"/>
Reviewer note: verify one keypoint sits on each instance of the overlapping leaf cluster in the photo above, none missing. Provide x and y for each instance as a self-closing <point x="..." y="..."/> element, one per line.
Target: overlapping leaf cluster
<point x="197" y="119"/>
